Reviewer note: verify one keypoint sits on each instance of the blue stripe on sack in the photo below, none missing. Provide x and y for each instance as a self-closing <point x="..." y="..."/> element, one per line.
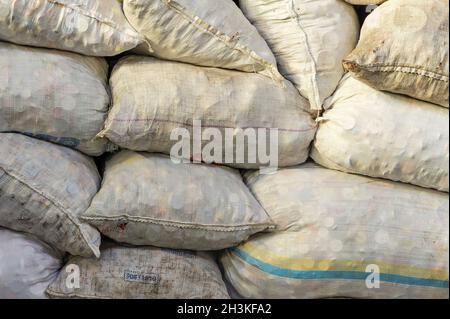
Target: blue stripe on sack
<point x="330" y="274"/>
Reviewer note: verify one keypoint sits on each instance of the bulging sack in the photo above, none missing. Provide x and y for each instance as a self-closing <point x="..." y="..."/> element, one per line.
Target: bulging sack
<point x="211" y="33"/>
<point x="27" y="266"/>
<point x="57" y="96"/>
<point x="309" y="40"/>
<point x="160" y="105"/>
<point x="185" y="206"/>
<point x="404" y="49"/>
<point x="44" y="188"/>
<point x="343" y="235"/>
<point x="142" y="273"/>
<point x="384" y="135"/>
<point x="90" y="27"/>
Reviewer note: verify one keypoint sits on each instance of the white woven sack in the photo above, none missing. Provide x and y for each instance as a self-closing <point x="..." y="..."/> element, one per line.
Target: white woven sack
<point x="186" y="206"/>
<point x="142" y="273"/>
<point x="342" y="235"/>
<point x="44" y="188"/>
<point x="153" y="99"/>
<point x="385" y="135"/>
<point x="27" y="266"/>
<point x="57" y="96"/>
<point x="404" y="49"/>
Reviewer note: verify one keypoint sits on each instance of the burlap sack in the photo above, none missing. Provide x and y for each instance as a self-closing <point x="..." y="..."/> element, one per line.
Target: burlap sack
<point x="384" y="135"/>
<point x="90" y="27"/>
<point x="340" y="236"/>
<point x="44" y="188"/>
<point x="309" y="40"/>
<point x="53" y="95"/>
<point x="202" y="32"/>
<point x="27" y="266"/>
<point x="153" y="98"/>
<point x="141" y="273"/>
<point x="404" y="49"/>
<point x="186" y="206"/>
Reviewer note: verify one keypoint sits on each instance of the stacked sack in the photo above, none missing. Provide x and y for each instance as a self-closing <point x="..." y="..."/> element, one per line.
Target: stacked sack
<point x="55" y="98"/>
<point x="367" y="234"/>
<point x="186" y="62"/>
<point x="123" y="126"/>
<point x="50" y="97"/>
<point x="217" y="71"/>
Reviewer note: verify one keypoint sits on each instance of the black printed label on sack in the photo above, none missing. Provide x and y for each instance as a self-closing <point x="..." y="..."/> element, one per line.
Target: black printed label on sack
<point x="137" y="276"/>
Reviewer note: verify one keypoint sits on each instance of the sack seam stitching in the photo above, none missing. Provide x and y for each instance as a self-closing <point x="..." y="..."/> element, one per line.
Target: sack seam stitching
<point x="311" y="56"/>
<point x="206" y="27"/>
<point x="400" y="69"/>
<point x="146" y="220"/>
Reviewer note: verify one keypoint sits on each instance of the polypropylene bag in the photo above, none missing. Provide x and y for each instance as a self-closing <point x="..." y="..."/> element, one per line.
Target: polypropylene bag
<point x="343" y="235"/>
<point x="309" y="40"/>
<point x="404" y="49"/>
<point x="186" y="206"/>
<point x="202" y="32"/>
<point x="27" y="266"/>
<point x="57" y="96"/>
<point x="153" y="100"/>
<point x="385" y="135"/>
<point x="141" y="273"/>
<point x="44" y="188"/>
<point x="90" y="27"/>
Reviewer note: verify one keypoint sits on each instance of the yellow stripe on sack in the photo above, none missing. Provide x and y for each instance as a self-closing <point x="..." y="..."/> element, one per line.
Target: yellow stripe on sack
<point x="341" y="265"/>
